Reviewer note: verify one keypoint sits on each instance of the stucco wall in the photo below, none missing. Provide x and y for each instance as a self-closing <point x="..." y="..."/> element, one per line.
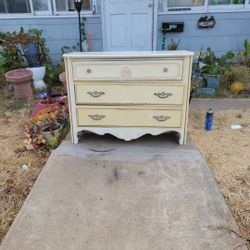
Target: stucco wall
<point x="58" y="31"/>
<point x="228" y="34"/>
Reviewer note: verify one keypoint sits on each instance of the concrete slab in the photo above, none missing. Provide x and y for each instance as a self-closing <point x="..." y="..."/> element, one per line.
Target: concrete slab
<point x="106" y="194"/>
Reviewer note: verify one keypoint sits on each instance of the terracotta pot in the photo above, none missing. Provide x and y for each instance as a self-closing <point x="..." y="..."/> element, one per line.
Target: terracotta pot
<point x="62" y="78"/>
<point x="21" y="80"/>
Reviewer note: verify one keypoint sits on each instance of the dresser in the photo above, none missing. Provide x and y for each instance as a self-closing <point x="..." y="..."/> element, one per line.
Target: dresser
<point x="129" y="94"/>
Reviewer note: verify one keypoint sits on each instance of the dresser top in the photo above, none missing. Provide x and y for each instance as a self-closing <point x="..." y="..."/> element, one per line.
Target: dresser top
<point x="129" y="54"/>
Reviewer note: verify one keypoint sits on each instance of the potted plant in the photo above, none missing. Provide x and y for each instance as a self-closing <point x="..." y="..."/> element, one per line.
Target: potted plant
<point x="13" y="66"/>
<point x="172" y="45"/>
<point x="51" y="129"/>
<point x="27" y="49"/>
<point x="51" y="120"/>
<point x="213" y="67"/>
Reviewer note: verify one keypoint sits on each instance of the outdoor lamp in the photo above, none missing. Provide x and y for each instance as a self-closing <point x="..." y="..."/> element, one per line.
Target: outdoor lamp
<point x="78" y="6"/>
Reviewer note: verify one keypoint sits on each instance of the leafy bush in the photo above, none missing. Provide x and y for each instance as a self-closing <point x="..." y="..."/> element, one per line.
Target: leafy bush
<point x="235" y="73"/>
<point x="12" y="51"/>
<point x="215" y="65"/>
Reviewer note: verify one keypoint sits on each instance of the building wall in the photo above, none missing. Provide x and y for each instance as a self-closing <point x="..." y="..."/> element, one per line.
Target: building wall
<point x="58" y="31"/>
<point x="228" y="33"/>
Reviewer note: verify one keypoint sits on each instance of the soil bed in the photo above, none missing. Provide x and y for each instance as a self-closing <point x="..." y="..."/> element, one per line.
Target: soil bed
<point x="227" y="152"/>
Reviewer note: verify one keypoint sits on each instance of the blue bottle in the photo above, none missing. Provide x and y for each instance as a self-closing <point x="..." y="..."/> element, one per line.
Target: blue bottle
<point x="209" y="120"/>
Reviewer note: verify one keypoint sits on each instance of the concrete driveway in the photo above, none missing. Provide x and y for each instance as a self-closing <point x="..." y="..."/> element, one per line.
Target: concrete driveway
<point x="106" y="194"/>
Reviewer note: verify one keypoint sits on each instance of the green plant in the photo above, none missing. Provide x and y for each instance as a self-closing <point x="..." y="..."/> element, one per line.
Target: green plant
<point x="60" y="67"/>
<point x="215" y="65"/>
<point x="9" y="53"/>
<point x="172" y="45"/>
<point x="12" y="48"/>
<point x="47" y="119"/>
<point x="84" y="37"/>
<point x="247" y="47"/>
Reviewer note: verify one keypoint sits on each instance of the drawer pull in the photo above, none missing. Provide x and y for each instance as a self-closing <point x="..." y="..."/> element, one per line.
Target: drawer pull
<point x="161" y="118"/>
<point x="163" y="94"/>
<point x="96" y="93"/>
<point x="165" y="70"/>
<point x="89" y="71"/>
<point x="97" y="117"/>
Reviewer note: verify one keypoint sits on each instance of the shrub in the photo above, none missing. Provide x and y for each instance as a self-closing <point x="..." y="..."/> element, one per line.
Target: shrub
<point x="12" y="51"/>
<point x="215" y="65"/>
<point x="235" y="73"/>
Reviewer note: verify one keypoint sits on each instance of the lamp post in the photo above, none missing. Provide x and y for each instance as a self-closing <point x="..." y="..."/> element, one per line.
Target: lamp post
<point x="78" y="6"/>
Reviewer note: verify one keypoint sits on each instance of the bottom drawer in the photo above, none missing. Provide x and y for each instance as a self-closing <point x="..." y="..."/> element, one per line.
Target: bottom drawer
<point x="121" y="117"/>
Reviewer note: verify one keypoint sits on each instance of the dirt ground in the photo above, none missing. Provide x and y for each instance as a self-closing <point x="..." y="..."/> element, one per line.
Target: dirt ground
<point x="227" y="152"/>
<point x="16" y="179"/>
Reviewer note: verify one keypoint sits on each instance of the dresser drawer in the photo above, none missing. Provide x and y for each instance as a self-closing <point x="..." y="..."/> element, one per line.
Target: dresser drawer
<point x="121" y="117"/>
<point x="129" y="94"/>
<point x="123" y="70"/>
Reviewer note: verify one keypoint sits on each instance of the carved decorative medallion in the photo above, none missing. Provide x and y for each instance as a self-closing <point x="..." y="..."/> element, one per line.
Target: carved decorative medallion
<point x="126" y="72"/>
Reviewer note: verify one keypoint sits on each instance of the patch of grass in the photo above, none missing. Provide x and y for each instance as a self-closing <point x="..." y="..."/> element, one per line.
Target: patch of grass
<point x="10" y="103"/>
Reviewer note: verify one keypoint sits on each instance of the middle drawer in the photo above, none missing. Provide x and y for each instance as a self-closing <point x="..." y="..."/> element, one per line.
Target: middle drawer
<point x="129" y="94"/>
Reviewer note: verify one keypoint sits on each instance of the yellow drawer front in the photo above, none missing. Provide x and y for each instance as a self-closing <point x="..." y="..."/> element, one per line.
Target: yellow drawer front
<point x="157" y="70"/>
<point x="129" y="94"/>
<point x="116" y="117"/>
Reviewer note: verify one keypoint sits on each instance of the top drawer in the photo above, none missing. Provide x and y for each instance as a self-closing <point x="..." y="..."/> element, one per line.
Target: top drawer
<point x="125" y="70"/>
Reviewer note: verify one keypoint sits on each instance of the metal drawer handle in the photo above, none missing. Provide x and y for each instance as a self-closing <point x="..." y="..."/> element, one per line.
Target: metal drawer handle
<point x="163" y="94"/>
<point x="97" y="117"/>
<point x="165" y="70"/>
<point x="89" y="71"/>
<point x="161" y="118"/>
<point x="96" y="93"/>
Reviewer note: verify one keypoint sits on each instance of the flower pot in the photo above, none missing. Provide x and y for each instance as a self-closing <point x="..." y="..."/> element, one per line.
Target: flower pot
<point x="62" y="78"/>
<point x="205" y="91"/>
<point x="38" y="75"/>
<point x="21" y="80"/>
<point x="213" y="81"/>
<point x="47" y="133"/>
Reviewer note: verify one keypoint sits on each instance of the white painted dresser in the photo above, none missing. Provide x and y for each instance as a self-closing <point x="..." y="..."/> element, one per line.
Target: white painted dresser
<point x="129" y="94"/>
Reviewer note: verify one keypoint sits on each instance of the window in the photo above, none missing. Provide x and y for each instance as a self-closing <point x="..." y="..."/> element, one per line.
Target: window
<point x="43" y="7"/>
<point x="15" y="6"/>
<point x="68" y="5"/>
<point x="24" y="6"/>
<point x="185" y="3"/>
<point x="202" y="6"/>
<point x="225" y="2"/>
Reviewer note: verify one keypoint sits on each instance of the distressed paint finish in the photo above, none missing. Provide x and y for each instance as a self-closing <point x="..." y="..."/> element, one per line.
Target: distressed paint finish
<point x="140" y="107"/>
